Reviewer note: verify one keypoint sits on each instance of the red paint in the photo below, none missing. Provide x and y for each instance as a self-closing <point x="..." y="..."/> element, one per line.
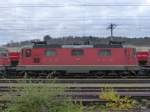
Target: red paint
<point x="14" y="56"/>
<point x="4" y="58"/>
<point x="119" y="56"/>
<point x="142" y="56"/>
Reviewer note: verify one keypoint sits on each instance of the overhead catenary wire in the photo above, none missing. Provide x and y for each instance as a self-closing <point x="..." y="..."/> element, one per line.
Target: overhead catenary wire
<point x="122" y="26"/>
<point x="76" y="5"/>
<point x="68" y="19"/>
<point x="69" y="28"/>
<point x="73" y="25"/>
<point x="82" y="19"/>
<point x="79" y="17"/>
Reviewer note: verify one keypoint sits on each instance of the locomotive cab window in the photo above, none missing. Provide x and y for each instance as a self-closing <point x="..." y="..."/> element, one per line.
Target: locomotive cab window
<point x="28" y="53"/>
<point x="50" y="52"/>
<point x="77" y="52"/>
<point x="104" y="52"/>
<point x="3" y="53"/>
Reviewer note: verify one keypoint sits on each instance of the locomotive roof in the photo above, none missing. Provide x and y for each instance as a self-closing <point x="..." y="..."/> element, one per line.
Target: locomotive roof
<point x="78" y="46"/>
<point x="45" y="45"/>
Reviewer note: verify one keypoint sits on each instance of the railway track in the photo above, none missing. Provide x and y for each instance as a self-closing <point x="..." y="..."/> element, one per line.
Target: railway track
<point x="87" y="90"/>
<point x="70" y="81"/>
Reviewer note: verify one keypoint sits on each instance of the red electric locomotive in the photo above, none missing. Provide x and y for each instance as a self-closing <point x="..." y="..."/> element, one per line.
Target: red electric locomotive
<point x="148" y="62"/>
<point x="14" y="58"/>
<point x="91" y="59"/>
<point x="142" y="57"/>
<point x="4" y="60"/>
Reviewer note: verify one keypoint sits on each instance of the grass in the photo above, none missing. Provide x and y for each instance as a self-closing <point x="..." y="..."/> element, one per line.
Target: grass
<point x="42" y="99"/>
<point x="116" y="102"/>
<point x="47" y="98"/>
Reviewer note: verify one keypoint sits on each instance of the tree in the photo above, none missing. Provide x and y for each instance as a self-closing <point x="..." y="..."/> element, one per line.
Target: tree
<point x="47" y="38"/>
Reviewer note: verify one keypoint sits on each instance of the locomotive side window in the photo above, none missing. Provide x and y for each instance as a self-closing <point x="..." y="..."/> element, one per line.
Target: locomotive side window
<point x="104" y="52"/>
<point x="77" y="52"/>
<point x="27" y="52"/>
<point x="3" y="53"/>
<point x="50" y="52"/>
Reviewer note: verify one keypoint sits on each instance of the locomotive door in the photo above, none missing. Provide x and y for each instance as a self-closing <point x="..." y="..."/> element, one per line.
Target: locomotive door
<point x="26" y="56"/>
<point x="77" y="56"/>
<point x="26" y="53"/>
<point x="36" y="57"/>
<point x="129" y="55"/>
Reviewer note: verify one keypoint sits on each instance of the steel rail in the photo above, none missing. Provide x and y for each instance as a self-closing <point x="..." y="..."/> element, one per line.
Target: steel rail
<point x="107" y="81"/>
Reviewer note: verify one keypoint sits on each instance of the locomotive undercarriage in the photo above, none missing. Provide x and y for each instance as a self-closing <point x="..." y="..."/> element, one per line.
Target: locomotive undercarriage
<point x="126" y="72"/>
<point x="64" y="74"/>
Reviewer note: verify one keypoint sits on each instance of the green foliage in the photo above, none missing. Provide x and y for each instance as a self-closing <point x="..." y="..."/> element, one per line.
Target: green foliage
<point x="115" y="101"/>
<point x="42" y="99"/>
<point x="96" y="108"/>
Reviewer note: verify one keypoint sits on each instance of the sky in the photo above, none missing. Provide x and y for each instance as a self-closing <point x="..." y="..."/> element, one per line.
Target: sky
<point x="32" y="19"/>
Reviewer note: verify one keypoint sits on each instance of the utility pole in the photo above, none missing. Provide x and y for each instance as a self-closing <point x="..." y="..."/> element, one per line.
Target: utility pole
<point x="111" y="27"/>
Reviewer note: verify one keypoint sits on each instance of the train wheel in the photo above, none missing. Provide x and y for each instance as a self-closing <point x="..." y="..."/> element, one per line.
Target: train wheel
<point x="51" y="75"/>
<point x="25" y="76"/>
<point x="133" y="73"/>
<point x="100" y="74"/>
<point x="42" y="75"/>
<point x="3" y="75"/>
<point x="124" y="75"/>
